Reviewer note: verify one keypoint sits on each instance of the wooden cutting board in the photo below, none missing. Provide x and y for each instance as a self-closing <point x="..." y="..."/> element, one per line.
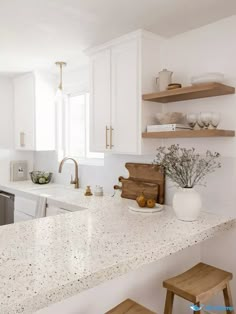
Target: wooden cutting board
<point x="146" y="178"/>
<point x="132" y="189"/>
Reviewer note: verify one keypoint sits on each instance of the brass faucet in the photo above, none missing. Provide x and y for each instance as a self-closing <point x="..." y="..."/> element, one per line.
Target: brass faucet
<point x="76" y="180"/>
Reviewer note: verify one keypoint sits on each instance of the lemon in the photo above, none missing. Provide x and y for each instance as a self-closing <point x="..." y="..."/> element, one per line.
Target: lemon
<point x="42" y="180"/>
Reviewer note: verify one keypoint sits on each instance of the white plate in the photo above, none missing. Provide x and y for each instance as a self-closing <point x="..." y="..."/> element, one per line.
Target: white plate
<point x="215" y="77"/>
<point x="136" y="208"/>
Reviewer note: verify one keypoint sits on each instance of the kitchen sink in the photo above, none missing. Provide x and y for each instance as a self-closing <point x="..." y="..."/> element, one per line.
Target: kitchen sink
<point x="54" y="190"/>
<point x="63" y="197"/>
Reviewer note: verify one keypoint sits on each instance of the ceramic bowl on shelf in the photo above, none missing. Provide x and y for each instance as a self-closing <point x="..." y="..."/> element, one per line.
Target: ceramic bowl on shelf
<point x="170" y="118"/>
<point x="209" y="77"/>
<point x="40" y="177"/>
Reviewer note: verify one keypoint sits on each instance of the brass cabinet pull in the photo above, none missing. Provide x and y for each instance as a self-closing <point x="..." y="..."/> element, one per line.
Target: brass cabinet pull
<point x="111" y="145"/>
<point x="22" y="139"/>
<point x="107" y="129"/>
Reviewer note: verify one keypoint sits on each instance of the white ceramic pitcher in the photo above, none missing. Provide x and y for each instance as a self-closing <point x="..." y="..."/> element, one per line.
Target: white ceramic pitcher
<point x="164" y="79"/>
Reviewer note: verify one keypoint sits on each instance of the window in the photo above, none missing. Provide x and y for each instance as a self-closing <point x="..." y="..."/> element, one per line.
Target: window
<point x="75" y="126"/>
<point x="75" y="115"/>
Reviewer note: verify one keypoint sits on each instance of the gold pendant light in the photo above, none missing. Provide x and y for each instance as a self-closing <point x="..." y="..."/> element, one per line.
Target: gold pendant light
<point x="61" y="64"/>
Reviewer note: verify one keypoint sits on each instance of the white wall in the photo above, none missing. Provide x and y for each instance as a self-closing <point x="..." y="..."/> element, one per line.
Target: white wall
<point x="7" y="151"/>
<point x="220" y="252"/>
<point x="106" y="175"/>
<point x="209" y="48"/>
<point x="76" y="81"/>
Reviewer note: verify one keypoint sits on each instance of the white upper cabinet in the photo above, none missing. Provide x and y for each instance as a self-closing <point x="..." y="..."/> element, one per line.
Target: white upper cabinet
<point x="125" y="97"/>
<point x="34" y="112"/>
<point x="24" y="112"/>
<point x="100" y="99"/>
<point x="121" y="71"/>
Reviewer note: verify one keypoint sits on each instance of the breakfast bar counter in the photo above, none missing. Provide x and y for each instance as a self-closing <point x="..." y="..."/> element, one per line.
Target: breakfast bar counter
<point x="47" y="260"/>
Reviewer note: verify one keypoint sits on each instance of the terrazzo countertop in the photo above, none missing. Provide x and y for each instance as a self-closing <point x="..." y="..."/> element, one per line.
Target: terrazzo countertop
<point x="46" y="260"/>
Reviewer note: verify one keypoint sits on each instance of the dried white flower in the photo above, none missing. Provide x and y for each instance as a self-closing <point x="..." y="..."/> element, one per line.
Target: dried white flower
<point x="184" y="166"/>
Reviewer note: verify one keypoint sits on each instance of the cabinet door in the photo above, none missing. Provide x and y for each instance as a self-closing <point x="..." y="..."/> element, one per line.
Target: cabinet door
<point x="100" y="101"/>
<point x="19" y="216"/>
<point x="24" y="101"/>
<point x="125" y="97"/>
<point x="44" y="112"/>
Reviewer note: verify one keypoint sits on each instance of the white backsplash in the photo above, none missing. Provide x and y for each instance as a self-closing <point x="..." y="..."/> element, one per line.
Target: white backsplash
<point x="218" y="196"/>
<point x="107" y="175"/>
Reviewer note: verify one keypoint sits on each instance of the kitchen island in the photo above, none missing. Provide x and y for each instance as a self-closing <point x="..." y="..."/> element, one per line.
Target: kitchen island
<point x="47" y="260"/>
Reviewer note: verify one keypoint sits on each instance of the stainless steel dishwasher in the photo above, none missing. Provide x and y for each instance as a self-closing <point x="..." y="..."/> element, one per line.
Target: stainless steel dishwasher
<point x="6" y="208"/>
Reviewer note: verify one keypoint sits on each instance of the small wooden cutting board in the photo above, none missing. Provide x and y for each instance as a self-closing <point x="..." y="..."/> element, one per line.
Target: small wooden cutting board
<point x="146" y="178"/>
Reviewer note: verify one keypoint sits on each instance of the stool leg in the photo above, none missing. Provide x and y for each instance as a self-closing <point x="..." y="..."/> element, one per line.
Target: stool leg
<point x="197" y="312"/>
<point x="228" y="298"/>
<point x="169" y="302"/>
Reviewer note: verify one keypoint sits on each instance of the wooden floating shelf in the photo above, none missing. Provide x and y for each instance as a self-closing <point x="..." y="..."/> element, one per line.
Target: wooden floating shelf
<point x="189" y="133"/>
<point x="190" y="92"/>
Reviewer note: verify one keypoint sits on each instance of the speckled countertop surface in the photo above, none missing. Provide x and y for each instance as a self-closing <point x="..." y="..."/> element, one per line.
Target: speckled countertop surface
<point x="46" y="260"/>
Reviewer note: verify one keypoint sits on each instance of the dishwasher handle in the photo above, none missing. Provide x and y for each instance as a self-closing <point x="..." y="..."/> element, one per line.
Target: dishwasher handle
<point x="8" y="196"/>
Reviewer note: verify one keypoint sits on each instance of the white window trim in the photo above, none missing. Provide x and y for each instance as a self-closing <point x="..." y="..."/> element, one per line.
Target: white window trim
<point x="86" y="160"/>
<point x="90" y="161"/>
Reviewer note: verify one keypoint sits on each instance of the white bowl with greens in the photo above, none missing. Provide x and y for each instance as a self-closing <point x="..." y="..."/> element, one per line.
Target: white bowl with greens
<point x="40" y="177"/>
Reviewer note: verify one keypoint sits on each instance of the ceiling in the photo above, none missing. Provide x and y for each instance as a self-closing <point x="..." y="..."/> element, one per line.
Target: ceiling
<point x="34" y="34"/>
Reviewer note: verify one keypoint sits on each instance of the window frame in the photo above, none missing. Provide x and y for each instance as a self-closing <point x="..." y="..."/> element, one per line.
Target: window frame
<point x="89" y="158"/>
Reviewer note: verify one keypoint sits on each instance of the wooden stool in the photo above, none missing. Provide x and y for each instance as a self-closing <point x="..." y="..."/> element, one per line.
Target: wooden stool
<point x="198" y="285"/>
<point x="129" y="307"/>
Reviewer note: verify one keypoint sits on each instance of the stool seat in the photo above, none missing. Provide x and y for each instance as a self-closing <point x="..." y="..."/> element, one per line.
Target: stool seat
<point x="198" y="283"/>
<point x="129" y="307"/>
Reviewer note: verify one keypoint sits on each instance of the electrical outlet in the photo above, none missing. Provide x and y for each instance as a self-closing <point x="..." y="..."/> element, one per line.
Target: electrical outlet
<point x="19" y="170"/>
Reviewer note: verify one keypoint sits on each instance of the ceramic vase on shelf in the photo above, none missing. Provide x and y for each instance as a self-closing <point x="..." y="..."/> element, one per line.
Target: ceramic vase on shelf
<point x="187" y="204"/>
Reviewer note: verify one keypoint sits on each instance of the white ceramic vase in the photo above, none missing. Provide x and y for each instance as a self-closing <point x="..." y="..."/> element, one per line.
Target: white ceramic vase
<point x="187" y="204"/>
